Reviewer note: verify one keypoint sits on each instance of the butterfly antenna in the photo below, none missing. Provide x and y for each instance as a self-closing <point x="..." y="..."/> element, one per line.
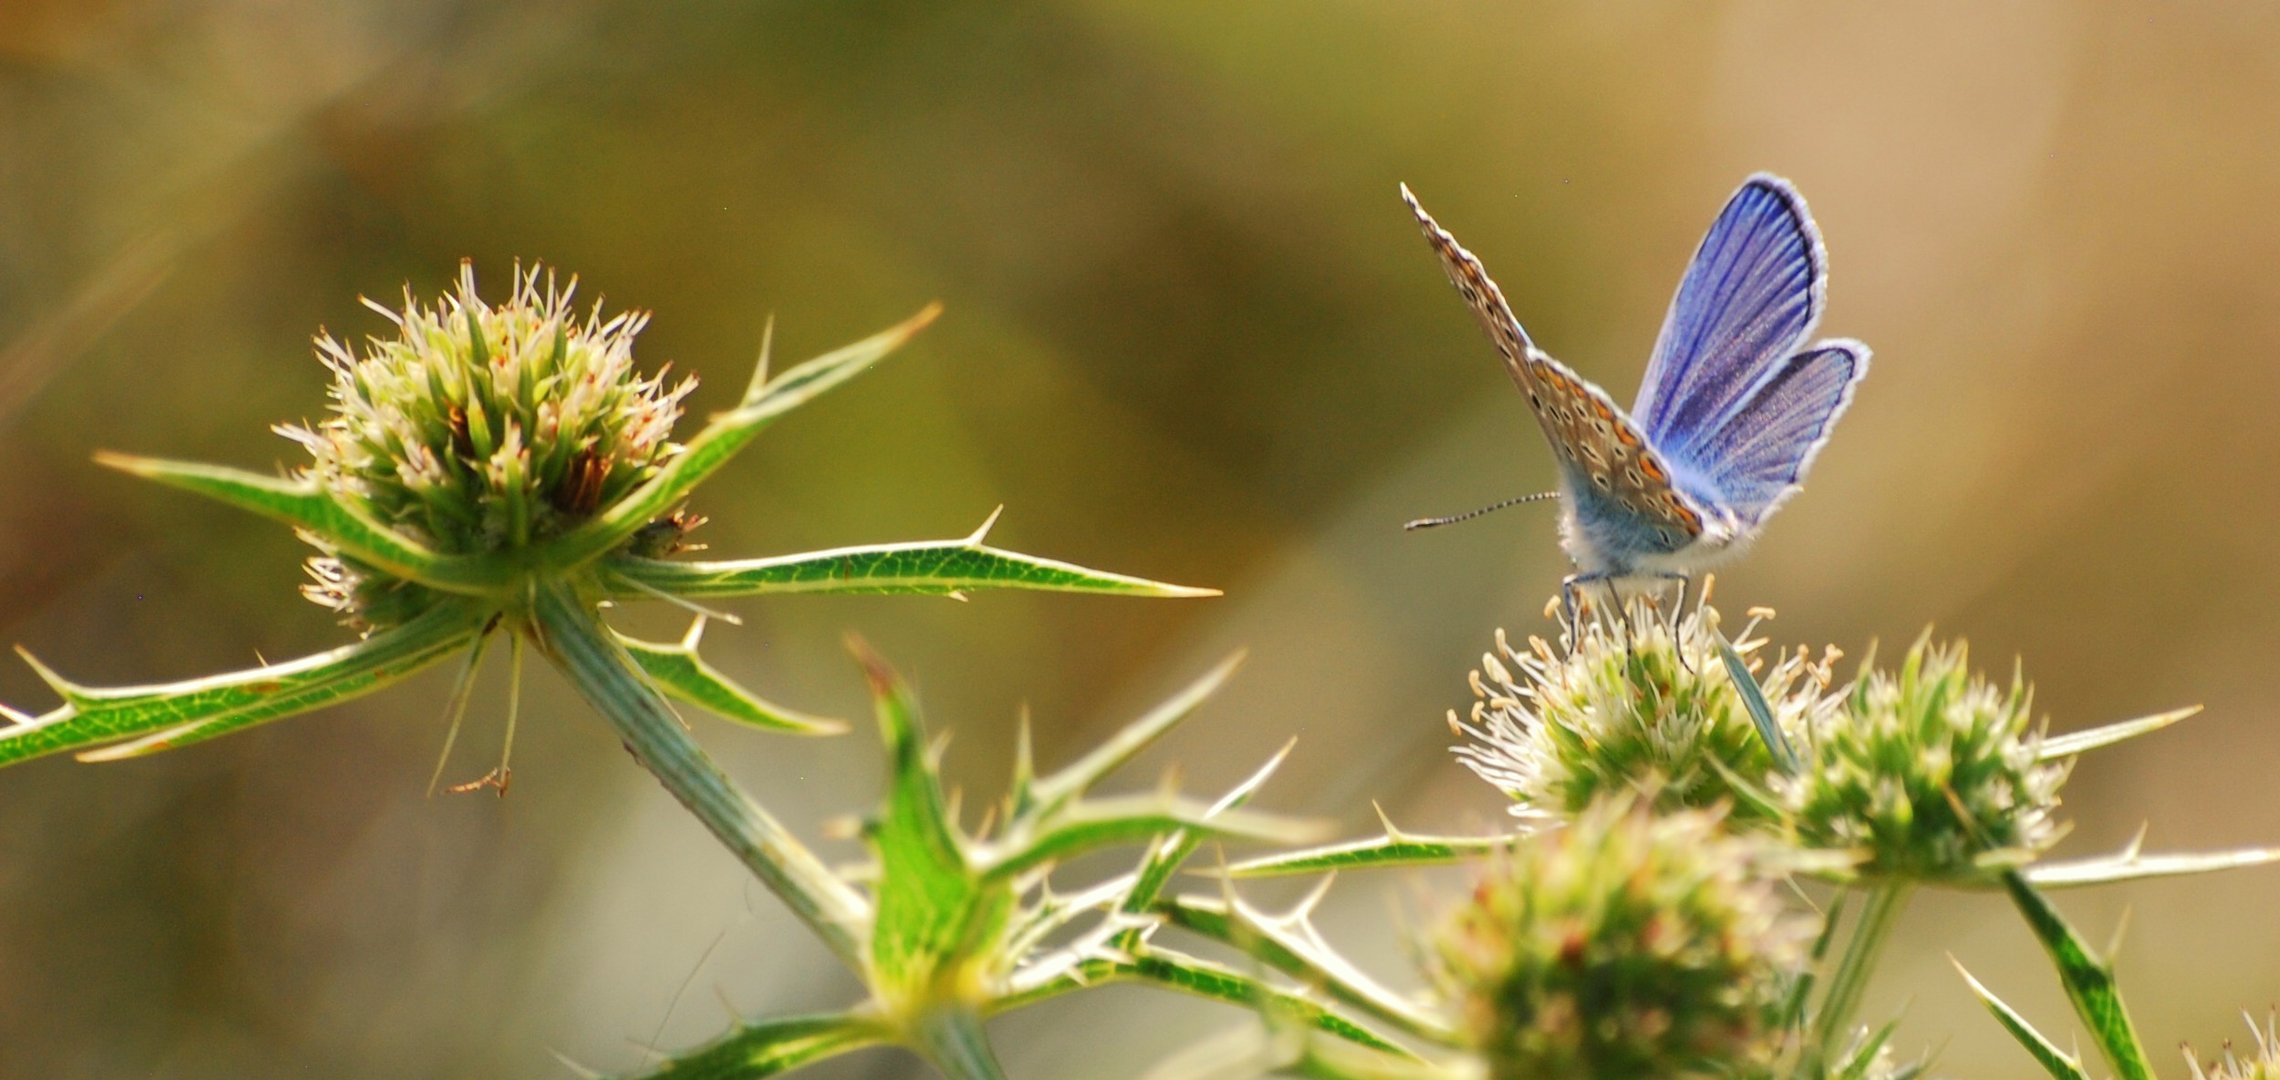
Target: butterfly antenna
<point x="1434" y="523"/>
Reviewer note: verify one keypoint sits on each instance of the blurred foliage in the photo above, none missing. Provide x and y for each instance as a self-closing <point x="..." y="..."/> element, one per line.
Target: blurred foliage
<point x="1189" y="334"/>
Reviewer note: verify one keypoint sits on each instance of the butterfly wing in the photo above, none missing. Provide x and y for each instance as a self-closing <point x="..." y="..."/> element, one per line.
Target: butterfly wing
<point x="1749" y="299"/>
<point x="1759" y="457"/>
<point x="1597" y="444"/>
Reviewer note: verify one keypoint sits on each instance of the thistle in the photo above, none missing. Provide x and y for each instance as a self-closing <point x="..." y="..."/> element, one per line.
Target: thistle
<point x="508" y="468"/>
<point x="1622" y="945"/>
<point x="1637" y="703"/>
<point x="1929" y="773"/>
<point x="477" y="429"/>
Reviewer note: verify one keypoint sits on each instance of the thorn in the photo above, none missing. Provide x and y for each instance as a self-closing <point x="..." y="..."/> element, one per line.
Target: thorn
<point x="14" y="716"/>
<point x="695" y="635"/>
<point x="1304" y="910"/>
<point x="2114" y="944"/>
<point x="1168" y="784"/>
<point x="1024" y="748"/>
<point x="760" y="371"/>
<point x="1391" y="833"/>
<point x="2136" y="846"/>
<point x="55" y="682"/>
<point x="463" y="689"/>
<point x="682" y="602"/>
<point x="957" y="594"/>
<point x="569" y="1063"/>
<point x="975" y="540"/>
<point x="1257" y="779"/>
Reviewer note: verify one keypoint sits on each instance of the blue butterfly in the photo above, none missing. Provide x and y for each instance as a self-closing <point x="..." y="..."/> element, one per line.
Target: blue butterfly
<point x="1731" y="414"/>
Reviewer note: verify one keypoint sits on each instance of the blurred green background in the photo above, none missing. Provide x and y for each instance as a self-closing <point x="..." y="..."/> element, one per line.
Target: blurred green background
<point x="1191" y="334"/>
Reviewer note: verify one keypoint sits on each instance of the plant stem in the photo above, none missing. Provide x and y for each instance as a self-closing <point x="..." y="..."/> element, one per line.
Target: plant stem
<point x="955" y="1042"/>
<point x="1851" y="978"/>
<point x="572" y="635"/>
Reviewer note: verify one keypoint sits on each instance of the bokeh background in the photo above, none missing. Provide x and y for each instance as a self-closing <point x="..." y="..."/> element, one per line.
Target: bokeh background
<point x="1192" y="334"/>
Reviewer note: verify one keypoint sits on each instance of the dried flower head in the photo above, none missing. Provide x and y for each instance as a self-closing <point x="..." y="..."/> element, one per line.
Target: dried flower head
<point x="1628" y="708"/>
<point x="478" y="428"/>
<point x="1624" y="944"/>
<point x="1930" y="773"/>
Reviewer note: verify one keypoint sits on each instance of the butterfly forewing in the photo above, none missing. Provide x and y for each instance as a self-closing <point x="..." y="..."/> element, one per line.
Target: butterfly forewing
<point x="1596" y="442"/>
<point x="1749" y="298"/>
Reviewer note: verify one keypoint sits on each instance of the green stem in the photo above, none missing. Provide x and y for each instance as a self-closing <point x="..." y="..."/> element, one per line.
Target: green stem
<point x="1851" y="978"/>
<point x="572" y="635"/>
<point x="953" y="1040"/>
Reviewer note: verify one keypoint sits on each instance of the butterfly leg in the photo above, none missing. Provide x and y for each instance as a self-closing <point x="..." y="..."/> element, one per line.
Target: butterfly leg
<point x="1571" y="607"/>
<point x="1571" y="604"/>
<point x="1622" y="617"/>
<point x="1678" y="614"/>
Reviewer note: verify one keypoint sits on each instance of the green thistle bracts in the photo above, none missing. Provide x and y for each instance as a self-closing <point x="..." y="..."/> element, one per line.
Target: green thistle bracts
<point x="478" y="428"/>
<point x="1928" y="773"/>
<point x="1622" y="945"/>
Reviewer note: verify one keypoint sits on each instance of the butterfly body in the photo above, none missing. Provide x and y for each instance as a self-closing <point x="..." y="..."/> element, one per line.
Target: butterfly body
<point x="1730" y="415"/>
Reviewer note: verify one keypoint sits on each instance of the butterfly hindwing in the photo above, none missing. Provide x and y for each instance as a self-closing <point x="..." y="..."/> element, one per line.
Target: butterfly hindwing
<point x="1597" y="443"/>
<point x="1749" y="299"/>
<point x="1758" y="457"/>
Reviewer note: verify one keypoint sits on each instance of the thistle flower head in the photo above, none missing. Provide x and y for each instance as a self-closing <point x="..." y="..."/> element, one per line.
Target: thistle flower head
<point x="1625" y="944"/>
<point x="476" y="428"/>
<point x="1628" y="708"/>
<point x="2265" y="1065"/>
<point x="1928" y="773"/>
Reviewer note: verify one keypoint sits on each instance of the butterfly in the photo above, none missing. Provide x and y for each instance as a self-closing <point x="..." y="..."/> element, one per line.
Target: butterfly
<point x="1733" y="409"/>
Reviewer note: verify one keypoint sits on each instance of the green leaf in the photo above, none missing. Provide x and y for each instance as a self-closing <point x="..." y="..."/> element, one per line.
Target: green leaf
<point x="2131" y="865"/>
<point x="807" y="380"/>
<point x="2088" y="979"/>
<point x="685" y="675"/>
<point x="2058" y="1063"/>
<point x="924" y="568"/>
<point x="720" y="440"/>
<point x="1392" y="849"/>
<point x="772" y="1047"/>
<point x="1753" y="699"/>
<point x="1049" y="795"/>
<point x="198" y="709"/>
<point x="1289" y="945"/>
<point x="2078" y="742"/>
<point x="932" y="911"/>
<point x="301" y="504"/>
<point x="1168" y="852"/>
<point x="1102" y="823"/>
<point x="1205" y="979"/>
